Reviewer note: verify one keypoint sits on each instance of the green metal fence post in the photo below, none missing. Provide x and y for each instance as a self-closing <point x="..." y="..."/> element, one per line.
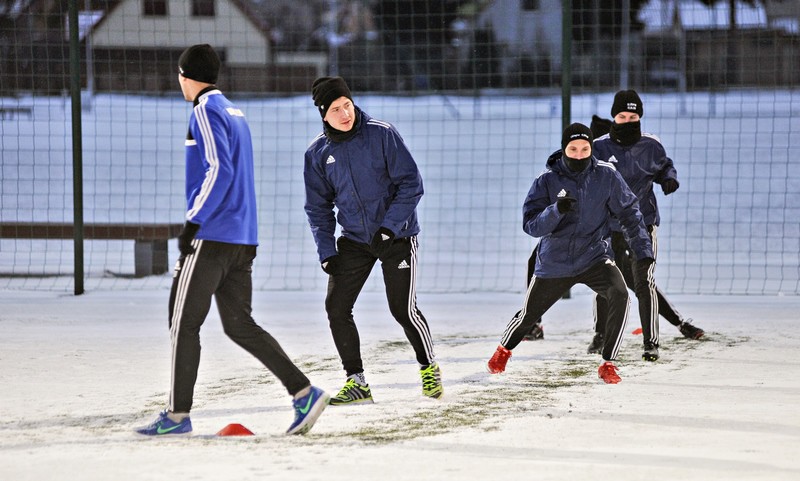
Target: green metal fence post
<point x="77" y="146"/>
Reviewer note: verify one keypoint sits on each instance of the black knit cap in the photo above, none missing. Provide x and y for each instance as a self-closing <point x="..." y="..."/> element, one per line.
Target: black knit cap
<point x="627" y="101"/>
<point x="326" y="90"/>
<point x="576" y="131"/>
<point x="199" y="62"/>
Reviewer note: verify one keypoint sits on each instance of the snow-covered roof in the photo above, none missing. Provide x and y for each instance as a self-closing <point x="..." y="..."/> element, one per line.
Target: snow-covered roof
<point x="657" y="15"/>
<point x="14" y="8"/>
<point x="87" y="19"/>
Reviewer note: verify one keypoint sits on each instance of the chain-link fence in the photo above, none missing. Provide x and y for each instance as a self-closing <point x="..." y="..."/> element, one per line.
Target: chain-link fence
<point x="476" y="88"/>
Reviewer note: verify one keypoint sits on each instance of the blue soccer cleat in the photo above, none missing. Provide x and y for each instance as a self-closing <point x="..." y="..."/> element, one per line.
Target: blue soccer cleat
<point x="164" y="425"/>
<point x="307" y="409"/>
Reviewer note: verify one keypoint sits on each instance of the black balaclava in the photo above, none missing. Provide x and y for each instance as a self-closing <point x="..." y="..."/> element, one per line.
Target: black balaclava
<point x="630" y="132"/>
<point x="576" y="131"/>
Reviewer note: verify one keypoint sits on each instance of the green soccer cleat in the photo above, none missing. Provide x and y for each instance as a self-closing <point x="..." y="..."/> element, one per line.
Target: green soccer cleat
<point x="432" y="381"/>
<point x="352" y="393"/>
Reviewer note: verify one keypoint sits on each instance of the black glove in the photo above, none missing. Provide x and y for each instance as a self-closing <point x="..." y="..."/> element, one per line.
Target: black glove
<point x="669" y="186"/>
<point x="566" y="204"/>
<point x="641" y="281"/>
<point x="331" y="265"/>
<point x="642" y="265"/>
<point x="185" y="238"/>
<point x="381" y="241"/>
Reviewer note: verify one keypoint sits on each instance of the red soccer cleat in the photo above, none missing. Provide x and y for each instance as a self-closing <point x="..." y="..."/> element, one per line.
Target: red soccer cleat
<point x="497" y="363"/>
<point x="608" y="373"/>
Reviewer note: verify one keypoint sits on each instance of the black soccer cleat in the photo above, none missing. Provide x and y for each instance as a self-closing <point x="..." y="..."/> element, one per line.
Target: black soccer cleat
<point x="690" y="331"/>
<point x="596" y="346"/>
<point x="536" y="334"/>
<point x="650" y="353"/>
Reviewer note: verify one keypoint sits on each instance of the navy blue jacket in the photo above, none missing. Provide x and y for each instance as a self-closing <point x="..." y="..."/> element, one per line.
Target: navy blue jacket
<point x="371" y="179"/>
<point x="640" y="165"/>
<point x="573" y="242"/>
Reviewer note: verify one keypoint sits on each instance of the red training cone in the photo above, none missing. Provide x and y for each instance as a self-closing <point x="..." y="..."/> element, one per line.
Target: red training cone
<point x="637" y="331"/>
<point x="234" y="430"/>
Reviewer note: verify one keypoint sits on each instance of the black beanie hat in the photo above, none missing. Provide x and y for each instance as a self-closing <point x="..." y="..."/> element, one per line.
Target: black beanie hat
<point x="576" y="131"/>
<point x="326" y="90"/>
<point x="199" y="62"/>
<point x="627" y="101"/>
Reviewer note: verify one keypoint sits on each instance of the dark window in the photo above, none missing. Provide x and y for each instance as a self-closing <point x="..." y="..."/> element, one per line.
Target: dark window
<point x="155" y="8"/>
<point x="203" y="8"/>
<point x="530" y="5"/>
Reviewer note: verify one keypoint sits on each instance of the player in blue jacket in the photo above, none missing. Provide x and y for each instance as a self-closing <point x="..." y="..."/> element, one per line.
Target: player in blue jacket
<point x="218" y="245"/>
<point x="642" y="161"/>
<point x="361" y="167"/>
<point x="569" y="207"/>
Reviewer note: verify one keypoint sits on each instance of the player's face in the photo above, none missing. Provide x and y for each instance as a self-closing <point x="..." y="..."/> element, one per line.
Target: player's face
<point x="341" y="114"/>
<point x="578" y="149"/>
<point x="625" y="117"/>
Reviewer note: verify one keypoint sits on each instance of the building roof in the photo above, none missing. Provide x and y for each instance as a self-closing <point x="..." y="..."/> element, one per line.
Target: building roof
<point x="658" y="15"/>
<point x="245" y="6"/>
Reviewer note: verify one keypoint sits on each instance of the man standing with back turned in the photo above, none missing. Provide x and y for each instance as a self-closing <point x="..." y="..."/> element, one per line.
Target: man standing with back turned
<point x="218" y="245"/>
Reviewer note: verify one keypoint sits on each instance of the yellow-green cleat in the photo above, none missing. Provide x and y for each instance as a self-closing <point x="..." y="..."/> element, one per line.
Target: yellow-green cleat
<point x="352" y="393"/>
<point x="432" y="381"/>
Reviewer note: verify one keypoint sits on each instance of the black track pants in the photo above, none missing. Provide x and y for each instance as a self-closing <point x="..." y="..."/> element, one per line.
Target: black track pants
<point x="642" y="283"/>
<point x="399" y="267"/>
<point x="604" y="278"/>
<point x="223" y="271"/>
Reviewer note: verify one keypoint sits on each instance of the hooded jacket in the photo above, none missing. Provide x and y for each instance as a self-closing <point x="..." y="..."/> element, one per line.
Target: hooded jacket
<point x="371" y="179"/>
<point x="573" y="242"/>
<point x="640" y="164"/>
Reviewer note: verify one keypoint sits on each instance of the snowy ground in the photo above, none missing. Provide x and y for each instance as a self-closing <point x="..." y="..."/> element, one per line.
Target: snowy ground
<point x="79" y="373"/>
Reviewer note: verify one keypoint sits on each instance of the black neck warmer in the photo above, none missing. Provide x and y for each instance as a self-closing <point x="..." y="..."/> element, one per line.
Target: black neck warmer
<point x="576" y="165"/>
<point x="626" y="134"/>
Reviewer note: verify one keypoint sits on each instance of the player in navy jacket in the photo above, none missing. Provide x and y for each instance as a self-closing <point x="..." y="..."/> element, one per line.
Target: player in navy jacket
<point x="569" y="207"/>
<point x="218" y="245"/>
<point x="361" y="167"/>
<point x="372" y="180"/>
<point x="642" y="161"/>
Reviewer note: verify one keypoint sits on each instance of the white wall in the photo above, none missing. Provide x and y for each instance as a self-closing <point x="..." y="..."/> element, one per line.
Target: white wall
<point x="229" y="30"/>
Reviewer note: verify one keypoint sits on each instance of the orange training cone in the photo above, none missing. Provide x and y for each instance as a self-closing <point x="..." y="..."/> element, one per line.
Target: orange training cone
<point x="637" y="331"/>
<point x="234" y="430"/>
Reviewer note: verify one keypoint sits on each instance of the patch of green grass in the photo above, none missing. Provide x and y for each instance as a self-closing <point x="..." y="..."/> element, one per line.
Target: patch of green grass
<point x="483" y="407"/>
<point x="429" y="421"/>
<point x="393" y="345"/>
<point x="325" y="364"/>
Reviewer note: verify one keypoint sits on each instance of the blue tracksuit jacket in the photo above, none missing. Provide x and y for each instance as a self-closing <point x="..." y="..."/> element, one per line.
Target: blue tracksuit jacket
<point x="640" y="164"/>
<point x="573" y="242"/>
<point x="220" y="190"/>
<point x="371" y="179"/>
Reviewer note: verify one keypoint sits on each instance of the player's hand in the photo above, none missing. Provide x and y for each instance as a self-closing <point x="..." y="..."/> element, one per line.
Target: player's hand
<point x="642" y="265"/>
<point x="381" y="241"/>
<point x="331" y="265"/>
<point x="669" y="186"/>
<point x="566" y="204"/>
<point x="186" y="237"/>
<point x="642" y="275"/>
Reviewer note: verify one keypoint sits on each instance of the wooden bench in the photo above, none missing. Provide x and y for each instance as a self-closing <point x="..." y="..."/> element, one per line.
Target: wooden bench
<point x="150" y="249"/>
<point x="11" y="112"/>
